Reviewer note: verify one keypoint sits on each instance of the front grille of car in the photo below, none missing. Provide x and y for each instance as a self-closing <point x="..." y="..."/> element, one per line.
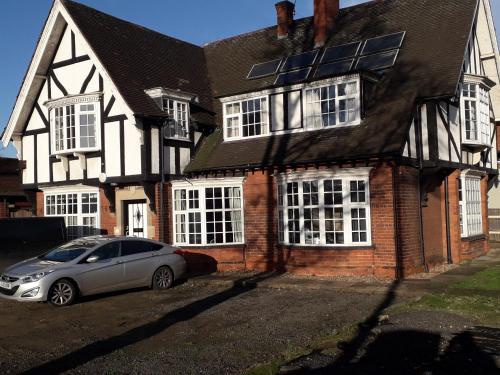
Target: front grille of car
<point x="8" y="279"/>
<point x="9" y="292"/>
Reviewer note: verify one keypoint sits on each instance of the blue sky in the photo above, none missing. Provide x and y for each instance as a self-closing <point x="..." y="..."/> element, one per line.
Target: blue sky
<point x="196" y="21"/>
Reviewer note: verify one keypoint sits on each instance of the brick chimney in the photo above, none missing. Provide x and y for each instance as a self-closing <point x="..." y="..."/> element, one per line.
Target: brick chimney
<point x="325" y="14"/>
<point x="285" y="11"/>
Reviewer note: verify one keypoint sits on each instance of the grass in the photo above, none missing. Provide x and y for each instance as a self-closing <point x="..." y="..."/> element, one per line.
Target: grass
<point x="484" y="309"/>
<point x="485" y="280"/>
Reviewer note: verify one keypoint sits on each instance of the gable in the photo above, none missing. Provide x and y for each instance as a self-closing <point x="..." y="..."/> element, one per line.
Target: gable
<point x="62" y="55"/>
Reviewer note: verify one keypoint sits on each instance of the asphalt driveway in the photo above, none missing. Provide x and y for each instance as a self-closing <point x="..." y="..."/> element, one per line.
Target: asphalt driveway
<point x="190" y="329"/>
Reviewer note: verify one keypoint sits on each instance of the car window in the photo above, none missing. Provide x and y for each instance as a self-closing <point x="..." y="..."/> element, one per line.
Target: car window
<point x="108" y="251"/>
<point x="156" y="247"/>
<point x="135" y="247"/>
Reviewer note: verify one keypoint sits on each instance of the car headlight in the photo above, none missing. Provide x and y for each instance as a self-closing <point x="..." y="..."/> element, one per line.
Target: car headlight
<point x="35" y="277"/>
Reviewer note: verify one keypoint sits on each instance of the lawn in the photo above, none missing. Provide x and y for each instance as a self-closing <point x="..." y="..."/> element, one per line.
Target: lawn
<point x="485" y="280"/>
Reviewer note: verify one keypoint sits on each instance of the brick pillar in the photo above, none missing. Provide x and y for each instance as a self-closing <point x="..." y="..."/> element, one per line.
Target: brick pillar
<point x="108" y="218"/>
<point x="455" y="234"/>
<point x="166" y="225"/>
<point x="4" y="209"/>
<point x="261" y="235"/>
<point x="383" y="224"/>
<point x="39" y="204"/>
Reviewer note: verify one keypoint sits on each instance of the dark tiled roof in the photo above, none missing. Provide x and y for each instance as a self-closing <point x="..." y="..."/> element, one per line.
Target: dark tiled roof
<point x="137" y="58"/>
<point x="429" y="65"/>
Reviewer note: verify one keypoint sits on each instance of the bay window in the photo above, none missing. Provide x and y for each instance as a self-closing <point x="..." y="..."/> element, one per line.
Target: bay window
<point x="332" y="105"/>
<point x="476" y="114"/>
<point x="471" y="219"/>
<point x="74" y="124"/>
<point x="179" y="113"/>
<point x="246" y="118"/>
<point x="325" y="209"/>
<point x="208" y="215"/>
<point x="80" y="211"/>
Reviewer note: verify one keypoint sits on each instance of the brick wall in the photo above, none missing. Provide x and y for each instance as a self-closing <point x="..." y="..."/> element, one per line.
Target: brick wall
<point x="4" y="209"/>
<point x="39" y="204"/>
<point x="408" y="211"/>
<point x="108" y="218"/>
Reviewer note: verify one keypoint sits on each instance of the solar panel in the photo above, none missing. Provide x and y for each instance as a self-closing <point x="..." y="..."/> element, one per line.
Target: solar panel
<point x="333" y="69"/>
<point x="383" y="43"/>
<point x="292" y="77"/>
<point x="340" y="52"/>
<point x="377" y="61"/>
<point x="299" y="61"/>
<point x="264" y="69"/>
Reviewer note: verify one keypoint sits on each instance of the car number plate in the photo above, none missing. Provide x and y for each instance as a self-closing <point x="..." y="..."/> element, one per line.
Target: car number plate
<point x="5" y="285"/>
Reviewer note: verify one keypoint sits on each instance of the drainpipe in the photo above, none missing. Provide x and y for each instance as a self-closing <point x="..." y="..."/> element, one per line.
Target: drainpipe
<point x="447" y="213"/>
<point x="418" y="122"/>
<point x="399" y="271"/>
<point x="162" y="171"/>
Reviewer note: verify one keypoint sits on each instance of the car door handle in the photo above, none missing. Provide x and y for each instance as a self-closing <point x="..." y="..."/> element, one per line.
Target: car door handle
<point x="119" y="261"/>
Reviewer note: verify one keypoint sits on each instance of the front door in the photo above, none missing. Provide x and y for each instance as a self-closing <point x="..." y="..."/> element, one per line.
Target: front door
<point x="136" y="219"/>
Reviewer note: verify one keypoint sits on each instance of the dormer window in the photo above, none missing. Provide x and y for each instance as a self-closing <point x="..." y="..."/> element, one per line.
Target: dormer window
<point x="179" y="113"/>
<point x="246" y="118"/>
<point x="332" y="105"/>
<point x="476" y="111"/>
<point x="74" y="124"/>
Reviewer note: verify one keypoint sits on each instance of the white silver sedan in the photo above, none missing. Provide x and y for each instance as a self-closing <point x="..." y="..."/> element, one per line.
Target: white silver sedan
<point x="93" y="265"/>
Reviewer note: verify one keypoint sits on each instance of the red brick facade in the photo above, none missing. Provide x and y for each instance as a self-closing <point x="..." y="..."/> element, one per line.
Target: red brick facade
<point x="396" y="249"/>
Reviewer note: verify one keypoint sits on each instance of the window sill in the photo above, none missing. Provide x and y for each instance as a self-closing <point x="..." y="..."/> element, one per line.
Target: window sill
<point x="479" y="237"/>
<point x="178" y="139"/>
<point x="75" y="151"/>
<point x="211" y="247"/>
<point x="329" y="247"/>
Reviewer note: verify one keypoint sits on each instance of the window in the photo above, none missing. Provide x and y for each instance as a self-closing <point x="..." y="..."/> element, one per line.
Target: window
<point x="108" y="251"/>
<point x="79" y="210"/>
<point x="208" y="215"/>
<point x="74" y="127"/>
<point x="179" y="113"/>
<point x="471" y="220"/>
<point x="476" y="112"/>
<point x="135" y="247"/>
<point x="322" y="210"/>
<point x="247" y="118"/>
<point x="332" y="105"/>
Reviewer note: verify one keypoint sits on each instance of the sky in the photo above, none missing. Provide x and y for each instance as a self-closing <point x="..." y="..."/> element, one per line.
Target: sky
<point x="195" y="21"/>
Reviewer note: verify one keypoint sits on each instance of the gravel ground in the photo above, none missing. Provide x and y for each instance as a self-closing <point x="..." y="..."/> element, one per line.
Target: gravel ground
<point x="190" y="329"/>
<point x="419" y="342"/>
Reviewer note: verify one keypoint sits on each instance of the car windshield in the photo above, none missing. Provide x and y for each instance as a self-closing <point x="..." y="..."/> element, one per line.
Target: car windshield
<point x="67" y="252"/>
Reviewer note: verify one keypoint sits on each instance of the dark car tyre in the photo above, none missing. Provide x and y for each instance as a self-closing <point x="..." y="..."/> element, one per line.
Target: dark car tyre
<point x="163" y="278"/>
<point x="62" y="293"/>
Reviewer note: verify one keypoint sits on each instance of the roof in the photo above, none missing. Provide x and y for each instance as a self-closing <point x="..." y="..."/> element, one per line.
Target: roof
<point x="138" y="58"/>
<point x="429" y="65"/>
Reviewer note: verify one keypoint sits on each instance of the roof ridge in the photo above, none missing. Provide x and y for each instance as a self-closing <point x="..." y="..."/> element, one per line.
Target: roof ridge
<point x="136" y="25"/>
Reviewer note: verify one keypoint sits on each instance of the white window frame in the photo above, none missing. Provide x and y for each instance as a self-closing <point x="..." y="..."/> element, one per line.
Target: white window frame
<point x="77" y="102"/>
<point x="200" y="186"/>
<point x="79" y="215"/>
<point x="471" y="205"/>
<point x="346" y="175"/>
<point x="264" y="115"/>
<point x="283" y="90"/>
<point x="482" y="115"/>
<point x="307" y="110"/>
<point x="182" y="115"/>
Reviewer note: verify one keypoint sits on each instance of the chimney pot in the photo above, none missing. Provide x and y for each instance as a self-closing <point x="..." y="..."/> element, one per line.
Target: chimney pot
<point x="325" y="14"/>
<point x="285" y="11"/>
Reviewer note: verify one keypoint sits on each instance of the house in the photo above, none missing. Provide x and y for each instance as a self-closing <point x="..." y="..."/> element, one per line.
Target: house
<point x="358" y="141"/>
<point x="13" y="201"/>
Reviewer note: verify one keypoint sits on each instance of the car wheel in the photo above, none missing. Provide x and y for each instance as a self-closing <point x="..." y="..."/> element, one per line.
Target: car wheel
<point x="62" y="293"/>
<point x="163" y="278"/>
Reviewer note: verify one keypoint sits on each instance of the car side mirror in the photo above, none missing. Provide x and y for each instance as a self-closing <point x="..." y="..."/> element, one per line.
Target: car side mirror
<point x="92" y="259"/>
